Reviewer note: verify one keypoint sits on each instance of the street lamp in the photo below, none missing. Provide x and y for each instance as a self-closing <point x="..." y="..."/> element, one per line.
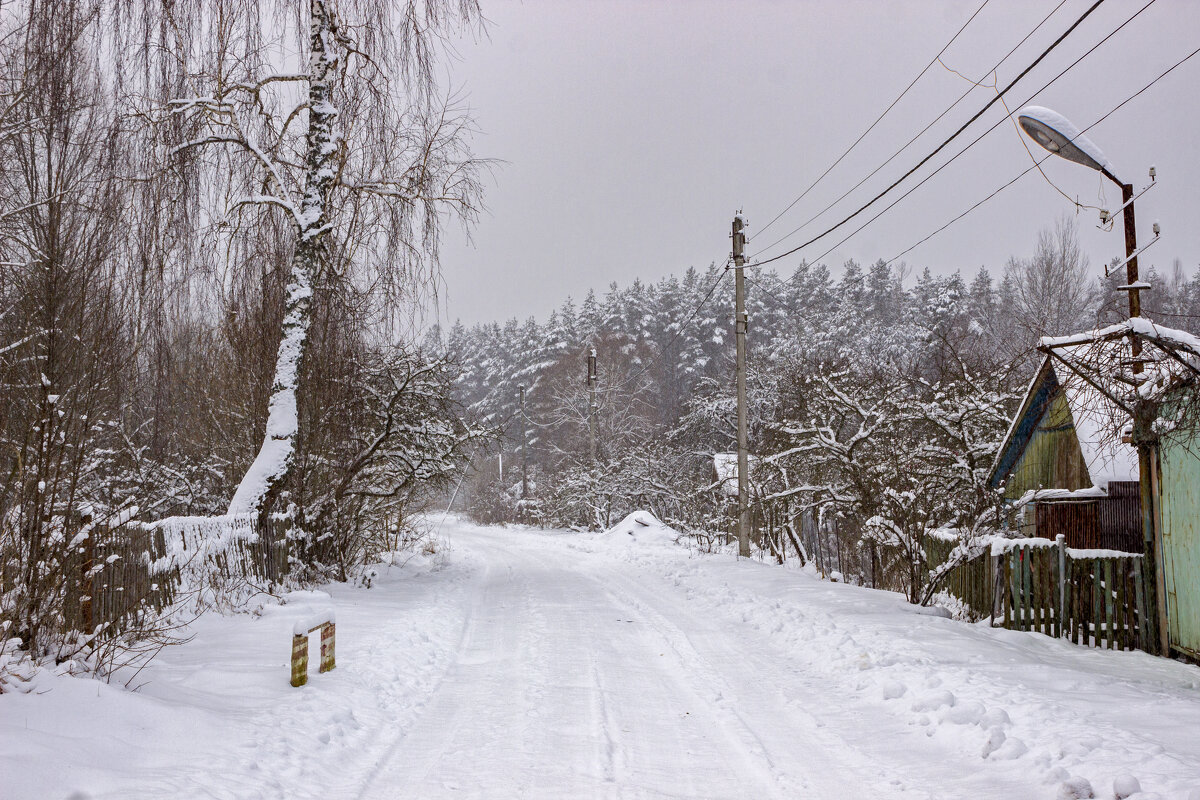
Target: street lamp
<point x="1055" y="133"/>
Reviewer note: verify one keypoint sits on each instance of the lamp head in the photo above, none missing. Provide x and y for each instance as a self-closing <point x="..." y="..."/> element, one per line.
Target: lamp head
<point x="1055" y="133"/>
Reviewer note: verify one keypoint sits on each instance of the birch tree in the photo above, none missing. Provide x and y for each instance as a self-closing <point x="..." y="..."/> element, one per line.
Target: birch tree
<point x="352" y="144"/>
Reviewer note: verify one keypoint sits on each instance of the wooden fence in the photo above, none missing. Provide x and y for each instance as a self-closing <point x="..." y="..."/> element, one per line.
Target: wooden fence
<point x="113" y="575"/>
<point x="1091" y="597"/>
<point x="970" y="582"/>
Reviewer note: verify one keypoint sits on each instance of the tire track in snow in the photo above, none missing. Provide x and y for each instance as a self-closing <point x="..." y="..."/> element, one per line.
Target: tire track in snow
<point x="424" y="693"/>
<point x="711" y="686"/>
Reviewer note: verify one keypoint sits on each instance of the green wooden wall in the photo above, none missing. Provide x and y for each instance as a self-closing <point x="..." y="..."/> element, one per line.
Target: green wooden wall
<point x="1053" y="458"/>
<point x="1180" y="510"/>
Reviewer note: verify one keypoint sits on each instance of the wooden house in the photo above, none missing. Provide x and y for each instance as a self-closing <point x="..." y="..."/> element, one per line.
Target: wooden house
<point x="1064" y="466"/>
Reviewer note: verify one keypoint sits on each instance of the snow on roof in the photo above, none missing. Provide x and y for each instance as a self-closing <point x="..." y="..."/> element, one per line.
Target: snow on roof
<point x="726" y="467"/>
<point x="1100" y="352"/>
<point x="1061" y="495"/>
<point x="1142" y="326"/>
<point x="1175" y="357"/>
<point x="1098" y="421"/>
<point x="1099" y="424"/>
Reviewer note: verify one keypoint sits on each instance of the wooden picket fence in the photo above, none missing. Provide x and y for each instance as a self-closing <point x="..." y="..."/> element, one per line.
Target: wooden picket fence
<point x="116" y="574"/>
<point x="1094" y="598"/>
<point x="969" y="582"/>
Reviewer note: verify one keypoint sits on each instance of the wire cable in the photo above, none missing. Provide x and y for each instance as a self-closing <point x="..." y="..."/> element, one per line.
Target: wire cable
<point x="907" y="144"/>
<point x="783" y="283"/>
<point x="682" y="327"/>
<point x="878" y="119"/>
<point x="952" y="137"/>
<point x="1022" y="138"/>
<point x="953" y="158"/>
<point x="1038" y="162"/>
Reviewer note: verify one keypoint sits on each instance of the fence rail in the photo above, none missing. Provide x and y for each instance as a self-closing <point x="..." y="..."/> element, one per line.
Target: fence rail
<point x="113" y="575"/>
<point x="1090" y="597"/>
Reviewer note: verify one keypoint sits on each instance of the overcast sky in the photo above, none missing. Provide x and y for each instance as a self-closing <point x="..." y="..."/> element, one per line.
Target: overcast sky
<point x="632" y="131"/>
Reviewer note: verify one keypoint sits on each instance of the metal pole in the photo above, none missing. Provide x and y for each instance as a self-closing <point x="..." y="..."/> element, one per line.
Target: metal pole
<point x="591" y="382"/>
<point x="740" y="322"/>
<point x="524" y="449"/>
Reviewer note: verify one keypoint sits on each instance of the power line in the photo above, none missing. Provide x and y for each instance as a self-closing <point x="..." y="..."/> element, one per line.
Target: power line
<point x="763" y="286"/>
<point x="953" y="158"/>
<point x="1038" y="163"/>
<point x="907" y="144"/>
<point x="1009" y="183"/>
<point x="682" y="327"/>
<point x="878" y="119"/>
<point x="945" y="143"/>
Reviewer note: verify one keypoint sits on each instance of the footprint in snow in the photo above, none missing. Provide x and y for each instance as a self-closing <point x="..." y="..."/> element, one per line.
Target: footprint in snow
<point x="994" y="718"/>
<point x="968" y="713"/>
<point x="1075" y="789"/>
<point x="995" y="738"/>
<point x="933" y="701"/>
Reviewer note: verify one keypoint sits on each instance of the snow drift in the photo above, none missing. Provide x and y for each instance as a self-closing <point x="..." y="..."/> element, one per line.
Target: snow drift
<point x="642" y="526"/>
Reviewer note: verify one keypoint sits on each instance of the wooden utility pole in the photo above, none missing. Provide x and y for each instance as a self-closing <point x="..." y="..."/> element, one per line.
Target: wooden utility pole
<point x="591" y="383"/>
<point x="524" y="449"/>
<point x="740" y="323"/>
<point x="1145" y="439"/>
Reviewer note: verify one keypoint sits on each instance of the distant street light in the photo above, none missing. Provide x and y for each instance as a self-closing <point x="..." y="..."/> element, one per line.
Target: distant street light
<point x="1055" y="133"/>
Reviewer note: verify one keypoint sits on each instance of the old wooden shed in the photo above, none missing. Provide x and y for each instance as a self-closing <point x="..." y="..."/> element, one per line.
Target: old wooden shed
<point x="1064" y="467"/>
<point x="1068" y="444"/>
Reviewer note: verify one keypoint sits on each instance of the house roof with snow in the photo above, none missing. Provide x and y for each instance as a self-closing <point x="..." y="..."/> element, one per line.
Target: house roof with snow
<point x="725" y="465"/>
<point x="1066" y="435"/>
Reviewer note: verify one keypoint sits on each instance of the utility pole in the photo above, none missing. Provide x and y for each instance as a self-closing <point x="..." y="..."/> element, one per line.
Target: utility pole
<point x="524" y="449"/>
<point x="591" y="383"/>
<point x="740" y="323"/>
<point x="1050" y="130"/>
<point x="1131" y="269"/>
<point x="1144" y="437"/>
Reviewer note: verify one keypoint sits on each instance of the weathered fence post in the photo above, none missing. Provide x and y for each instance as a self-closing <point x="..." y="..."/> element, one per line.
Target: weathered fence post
<point x="327" y="642"/>
<point x="300" y="659"/>
<point x="1060" y="613"/>
<point x="324" y="622"/>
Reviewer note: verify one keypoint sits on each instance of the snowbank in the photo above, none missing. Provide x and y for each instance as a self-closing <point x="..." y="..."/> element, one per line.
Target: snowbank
<point x="1015" y="705"/>
<point x="642" y="526"/>
<point x="216" y="717"/>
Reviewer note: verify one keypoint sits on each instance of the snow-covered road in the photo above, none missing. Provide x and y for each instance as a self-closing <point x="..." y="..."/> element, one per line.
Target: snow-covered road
<point x="579" y="676"/>
<point x="542" y="665"/>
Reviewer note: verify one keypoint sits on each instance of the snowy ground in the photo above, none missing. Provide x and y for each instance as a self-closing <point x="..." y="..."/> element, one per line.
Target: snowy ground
<point x="543" y="665"/>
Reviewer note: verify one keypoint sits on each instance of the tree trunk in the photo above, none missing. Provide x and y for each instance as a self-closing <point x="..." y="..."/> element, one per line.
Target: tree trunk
<point x="262" y="483"/>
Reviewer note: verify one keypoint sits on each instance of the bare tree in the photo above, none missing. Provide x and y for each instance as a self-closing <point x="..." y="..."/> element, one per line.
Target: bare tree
<point x="1052" y="292"/>
<point x="64" y="337"/>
